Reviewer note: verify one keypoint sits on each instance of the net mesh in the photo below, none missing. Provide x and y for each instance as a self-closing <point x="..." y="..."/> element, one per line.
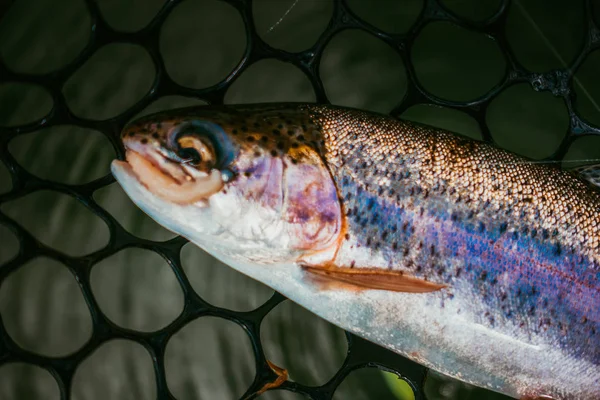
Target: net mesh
<point x="360" y="352"/>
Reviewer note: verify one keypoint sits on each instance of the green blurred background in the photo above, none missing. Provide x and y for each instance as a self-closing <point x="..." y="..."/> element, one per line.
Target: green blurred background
<point x="202" y="41"/>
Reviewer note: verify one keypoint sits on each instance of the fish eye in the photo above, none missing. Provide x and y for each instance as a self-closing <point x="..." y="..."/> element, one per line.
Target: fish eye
<point x="196" y="151"/>
<point x="202" y="144"/>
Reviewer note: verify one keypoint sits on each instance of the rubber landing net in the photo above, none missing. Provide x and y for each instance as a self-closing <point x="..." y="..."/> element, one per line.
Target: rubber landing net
<point x="360" y="352"/>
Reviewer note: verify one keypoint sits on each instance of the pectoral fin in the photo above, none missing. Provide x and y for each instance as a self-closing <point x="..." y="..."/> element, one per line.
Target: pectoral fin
<point x="370" y="278"/>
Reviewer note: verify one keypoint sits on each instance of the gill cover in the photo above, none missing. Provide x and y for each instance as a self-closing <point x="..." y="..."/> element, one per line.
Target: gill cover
<point x="312" y="206"/>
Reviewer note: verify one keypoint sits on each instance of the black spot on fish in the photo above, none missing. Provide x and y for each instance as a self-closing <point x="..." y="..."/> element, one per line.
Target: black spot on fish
<point x="280" y="126"/>
<point x="250" y="138"/>
<point x="481" y="227"/>
<point x="247" y="174"/>
<point x="300" y="138"/>
<point x="257" y="154"/>
<point x="244" y="128"/>
<point x="483" y="276"/>
<point x="368" y="241"/>
<point x="144" y="141"/>
<point x="276" y="132"/>
<point x="256" y="125"/>
<point x="557" y="249"/>
<point x="458" y="272"/>
<point x="274" y="153"/>
<point x="155" y="135"/>
<point x="545" y="234"/>
<point x="264" y="139"/>
<point x="280" y="145"/>
<point x="405" y="252"/>
<point x="235" y="131"/>
<point x="531" y="310"/>
<point x="394" y="246"/>
<point x="533" y="233"/>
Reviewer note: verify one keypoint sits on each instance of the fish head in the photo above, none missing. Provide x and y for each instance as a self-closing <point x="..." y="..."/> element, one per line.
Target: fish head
<point x="242" y="183"/>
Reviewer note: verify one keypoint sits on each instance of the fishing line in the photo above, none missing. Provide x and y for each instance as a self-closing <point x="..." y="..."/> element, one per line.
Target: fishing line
<point x="282" y="17"/>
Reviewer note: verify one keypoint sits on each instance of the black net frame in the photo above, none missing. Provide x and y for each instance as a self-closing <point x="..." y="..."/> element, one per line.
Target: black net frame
<point x="361" y="353"/>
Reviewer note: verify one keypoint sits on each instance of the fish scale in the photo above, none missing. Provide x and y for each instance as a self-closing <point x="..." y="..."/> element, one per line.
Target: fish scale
<point x="454" y="210"/>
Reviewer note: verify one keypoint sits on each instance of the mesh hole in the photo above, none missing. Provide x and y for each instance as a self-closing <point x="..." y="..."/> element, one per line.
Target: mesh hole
<point x="113" y="199"/>
<point x="449" y="61"/>
<point x="399" y="16"/>
<point x="68" y="26"/>
<point x="20" y="381"/>
<point x="583" y="151"/>
<point x="67" y="154"/>
<point x="520" y="109"/>
<point x="5" y="180"/>
<point x="588" y="89"/>
<point x="545" y="43"/>
<point x="353" y="384"/>
<point x="59" y="221"/>
<point x="313" y="353"/>
<point x="9" y="244"/>
<point x="270" y="80"/>
<point x="152" y="303"/>
<point x="219" y="284"/>
<point x="345" y="70"/>
<point x="116" y="370"/>
<point x="97" y="89"/>
<point x="58" y="309"/>
<point x="129" y="16"/>
<point x="190" y="374"/>
<point x="23" y="103"/>
<point x="191" y="40"/>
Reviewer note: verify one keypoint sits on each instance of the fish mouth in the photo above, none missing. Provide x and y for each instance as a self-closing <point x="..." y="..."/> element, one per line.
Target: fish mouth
<point x="172" y="181"/>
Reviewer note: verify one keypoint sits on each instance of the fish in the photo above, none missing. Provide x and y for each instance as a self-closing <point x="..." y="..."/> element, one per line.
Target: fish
<point x="464" y="257"/>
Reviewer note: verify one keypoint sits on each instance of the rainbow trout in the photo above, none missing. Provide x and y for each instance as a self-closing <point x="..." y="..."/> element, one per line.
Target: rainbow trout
<point x="458" y="255"/>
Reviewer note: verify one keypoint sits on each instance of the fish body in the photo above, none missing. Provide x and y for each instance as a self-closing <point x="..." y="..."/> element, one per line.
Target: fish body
<point x="479" y="264"/>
